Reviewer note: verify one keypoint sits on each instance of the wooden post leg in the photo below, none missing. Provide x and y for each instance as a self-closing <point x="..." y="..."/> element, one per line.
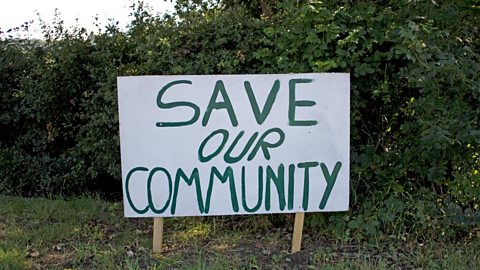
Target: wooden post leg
<point x="297" y="232"/>
<point x="157" y="234"/>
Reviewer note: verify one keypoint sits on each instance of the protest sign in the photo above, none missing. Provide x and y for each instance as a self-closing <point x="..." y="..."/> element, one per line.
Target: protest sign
<point x="198" y="145"/>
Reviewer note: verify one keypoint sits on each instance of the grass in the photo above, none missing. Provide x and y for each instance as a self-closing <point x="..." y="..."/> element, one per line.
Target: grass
<point x="89" y="233"/>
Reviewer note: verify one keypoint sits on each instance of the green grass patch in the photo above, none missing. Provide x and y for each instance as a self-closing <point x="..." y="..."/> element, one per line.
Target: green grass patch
<point x="88" y="233"/>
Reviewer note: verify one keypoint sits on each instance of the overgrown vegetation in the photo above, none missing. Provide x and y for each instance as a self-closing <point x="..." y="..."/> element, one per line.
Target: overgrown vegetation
<point x="415" y="114"/>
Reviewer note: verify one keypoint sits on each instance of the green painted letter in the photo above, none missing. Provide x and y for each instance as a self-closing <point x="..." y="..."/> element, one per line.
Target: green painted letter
<point x="228" y="155"/>
<point x="127" y="190"/>
<point x="291" y="183"/>
<point x="260" y="116"/>
<point x="225" y="104"/>
<point x="261" y="143"/>
<point x="203" y="158"/>
<point x="189" y="180"/>
<point x="162" y="105"/>
<point x="279" y="181"/>
<point x="227" y="175"/>
<point x="260" y="191"/>
<point x="330" y="181"/>
<point x="293" y="103"/>
<point x="306" y="181"/>
<point x="149" y="188"/>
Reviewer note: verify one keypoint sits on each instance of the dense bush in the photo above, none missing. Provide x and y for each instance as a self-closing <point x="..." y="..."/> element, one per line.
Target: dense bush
<point x="415" y="114"/>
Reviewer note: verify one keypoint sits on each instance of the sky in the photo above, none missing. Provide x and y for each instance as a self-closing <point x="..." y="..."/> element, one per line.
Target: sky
<point x="15" y="12"/>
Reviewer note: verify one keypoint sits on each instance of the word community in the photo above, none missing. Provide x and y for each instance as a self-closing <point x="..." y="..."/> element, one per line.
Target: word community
<point x="268" y="177"/>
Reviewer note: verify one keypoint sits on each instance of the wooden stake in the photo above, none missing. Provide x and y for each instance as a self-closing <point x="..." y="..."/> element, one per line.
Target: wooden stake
<point x="297" y="232"/>
<point x="157" y="234"/>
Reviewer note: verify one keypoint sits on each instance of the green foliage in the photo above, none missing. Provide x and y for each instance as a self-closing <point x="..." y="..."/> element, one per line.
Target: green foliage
<point x="415" y="95"/>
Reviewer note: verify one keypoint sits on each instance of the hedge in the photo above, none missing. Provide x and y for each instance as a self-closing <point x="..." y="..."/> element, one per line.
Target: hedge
<point x="415" y="114"/>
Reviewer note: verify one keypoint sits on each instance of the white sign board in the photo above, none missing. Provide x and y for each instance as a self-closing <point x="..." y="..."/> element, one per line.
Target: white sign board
<point x="234" y="144"/>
